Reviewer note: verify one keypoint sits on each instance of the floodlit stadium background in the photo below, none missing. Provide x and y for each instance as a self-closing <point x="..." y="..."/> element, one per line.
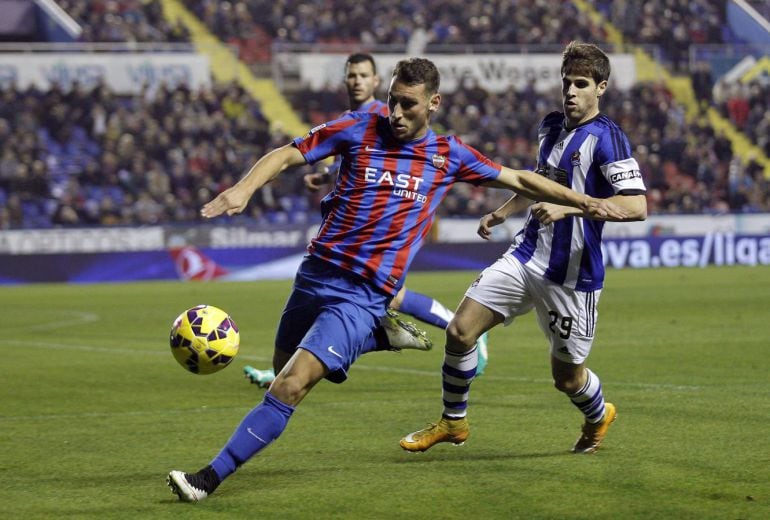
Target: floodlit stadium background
<point x="119" y="119"/>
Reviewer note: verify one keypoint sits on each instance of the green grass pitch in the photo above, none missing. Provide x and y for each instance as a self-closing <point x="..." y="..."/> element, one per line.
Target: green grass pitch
<point x="95" y="411"/>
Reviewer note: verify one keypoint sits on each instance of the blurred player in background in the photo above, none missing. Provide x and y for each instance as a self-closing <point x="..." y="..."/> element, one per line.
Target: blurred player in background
<point x="394" y="173"/>
<point x="555" y="263"/>
<point x="361" y="82"/>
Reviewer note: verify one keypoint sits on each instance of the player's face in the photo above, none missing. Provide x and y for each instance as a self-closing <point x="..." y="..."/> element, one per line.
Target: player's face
<point x="410" y="108"/>
<point x="580" y="98"/>
<point x="361" y="83"/>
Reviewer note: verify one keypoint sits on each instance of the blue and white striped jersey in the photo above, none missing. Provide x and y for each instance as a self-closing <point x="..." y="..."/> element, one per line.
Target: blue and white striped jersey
<point x="593" y="158"/>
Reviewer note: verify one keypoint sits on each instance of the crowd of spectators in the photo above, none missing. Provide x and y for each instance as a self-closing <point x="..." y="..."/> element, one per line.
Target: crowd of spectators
<point x="747" y="106"/>
<point x="672" y="25"/>
<point x="423" y="25"/>
<point x="89" y="157"/>
<point x="123" y="21"/>
<point x="80" y="157"/>
<point x="73" y="157"/>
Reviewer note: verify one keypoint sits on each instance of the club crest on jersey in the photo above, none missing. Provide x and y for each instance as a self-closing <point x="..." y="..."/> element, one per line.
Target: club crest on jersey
<point x="438" y="161"/>
<point x="575" y="158"/>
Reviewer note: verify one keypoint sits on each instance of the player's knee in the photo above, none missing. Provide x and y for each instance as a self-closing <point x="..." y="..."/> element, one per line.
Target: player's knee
<point x="459" y="338"/>
<point x="288" y="389"/>
<point x="395" y="303"/>
<point x="568" y="384"/>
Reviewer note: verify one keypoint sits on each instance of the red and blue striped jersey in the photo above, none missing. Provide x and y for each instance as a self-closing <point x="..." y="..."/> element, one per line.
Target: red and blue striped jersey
<point x="374" y="107"/>
<point x="386" y="194"/>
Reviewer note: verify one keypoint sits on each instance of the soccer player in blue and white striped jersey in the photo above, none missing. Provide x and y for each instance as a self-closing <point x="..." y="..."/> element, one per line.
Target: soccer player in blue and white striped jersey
<point x="555" y="262"/>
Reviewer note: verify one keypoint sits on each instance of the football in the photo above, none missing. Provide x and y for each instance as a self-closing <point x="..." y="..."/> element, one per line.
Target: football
<point x="204" y="339"/>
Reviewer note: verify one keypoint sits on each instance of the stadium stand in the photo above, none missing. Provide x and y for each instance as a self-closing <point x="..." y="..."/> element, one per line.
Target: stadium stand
<point x="351" y="22"/>
<point x="671" y="24"/>
<point x="99" y="158"/>
<point x="123" y="21"/>
<point x="87" y="157"/>
<point x="747" y="105"/>
<point x="762" y="7"/>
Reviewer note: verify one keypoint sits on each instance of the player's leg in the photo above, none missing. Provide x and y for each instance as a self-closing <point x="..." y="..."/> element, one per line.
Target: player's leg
<point x="457" y="373"/>
<point x="266" y="421"/>
<point x="568" y="318"/>
<point x="258" y="429"/>
<point x="296" y="320"/>
<point x="264" y="378"/>
<point x="393" y="333"/>
<point x="422" y="307"/>
<point x="332" y="315"/>
<point x="461" y="353"/>
<point x="584" y="390"/>
<point x="432" y="311"/>
<point x="497" y="296"/>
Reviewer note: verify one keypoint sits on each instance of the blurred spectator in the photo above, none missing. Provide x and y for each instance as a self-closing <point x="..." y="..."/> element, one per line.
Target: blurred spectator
<point x="748" y="107"/>
<point x="702" y="82"/>
<point x="737" y="105"/>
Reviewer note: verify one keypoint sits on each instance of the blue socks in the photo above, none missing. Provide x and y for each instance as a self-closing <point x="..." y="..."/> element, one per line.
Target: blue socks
<point x="260" y="427"/>
<point x="426" y="309"/>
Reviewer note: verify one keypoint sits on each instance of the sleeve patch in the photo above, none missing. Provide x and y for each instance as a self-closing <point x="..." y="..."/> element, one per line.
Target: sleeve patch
<point x="317" y="128"/>
<point x="625" y="176"/>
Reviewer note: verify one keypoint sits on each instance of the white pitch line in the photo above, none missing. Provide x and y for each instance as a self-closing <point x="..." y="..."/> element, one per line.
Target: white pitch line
<point x="78" y="318"/>
<point x="436" y="373"/>
<point x="358" y="366"/>
<point x="124" y="413"/>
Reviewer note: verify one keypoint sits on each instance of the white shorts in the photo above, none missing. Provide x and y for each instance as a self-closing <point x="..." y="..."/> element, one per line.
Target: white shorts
<point x="567" y="317"/>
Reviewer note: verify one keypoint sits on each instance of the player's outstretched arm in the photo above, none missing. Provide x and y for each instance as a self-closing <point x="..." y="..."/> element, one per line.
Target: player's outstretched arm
<point x="635" y="207"/>
<point x="537" y="187"/>
<point x="233" y="200"/>
<point x="487" y="222"/>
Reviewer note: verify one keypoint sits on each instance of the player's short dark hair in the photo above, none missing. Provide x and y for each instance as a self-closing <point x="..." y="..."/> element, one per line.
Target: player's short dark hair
<point x="414" y="71"/>
<point x="360" y="57"/>
<point x="585" y="59"/>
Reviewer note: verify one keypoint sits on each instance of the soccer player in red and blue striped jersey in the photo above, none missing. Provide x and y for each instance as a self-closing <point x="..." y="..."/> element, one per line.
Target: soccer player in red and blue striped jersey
<point x="361" y="82"/>
<point x="394" y="173"/>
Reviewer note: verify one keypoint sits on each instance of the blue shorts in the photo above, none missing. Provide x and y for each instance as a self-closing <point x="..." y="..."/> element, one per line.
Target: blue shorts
<point x="331" y="313"/>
